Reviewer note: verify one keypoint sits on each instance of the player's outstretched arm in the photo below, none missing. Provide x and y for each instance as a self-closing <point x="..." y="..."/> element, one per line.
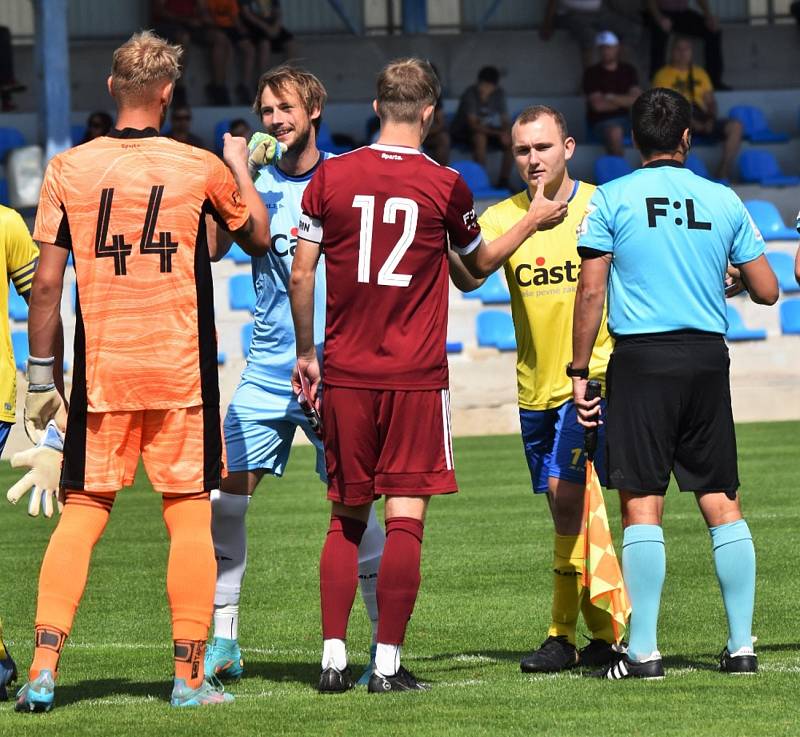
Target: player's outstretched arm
<point x="46" y="340"/>
<point x="254" y="236"/>
<point x="301" y="297"/>
<point x="542" y="214"/>
<point x="459" y="274"/>
<point x="589" y="302"/>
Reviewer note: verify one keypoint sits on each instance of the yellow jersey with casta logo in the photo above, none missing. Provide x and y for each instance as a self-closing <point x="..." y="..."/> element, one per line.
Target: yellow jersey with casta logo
<point x="542" y="277"/>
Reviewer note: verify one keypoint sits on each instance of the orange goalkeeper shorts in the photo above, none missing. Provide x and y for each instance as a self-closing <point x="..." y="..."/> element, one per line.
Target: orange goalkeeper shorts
<point x="182" y="450"/>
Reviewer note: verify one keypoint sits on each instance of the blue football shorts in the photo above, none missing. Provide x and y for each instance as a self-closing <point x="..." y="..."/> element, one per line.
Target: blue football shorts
<point x="259" y="428"/>
<point x="5" y="429"/>
<point x="553" y="444"/>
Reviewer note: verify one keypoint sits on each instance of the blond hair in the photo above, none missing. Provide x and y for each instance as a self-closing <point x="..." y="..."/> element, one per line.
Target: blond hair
<point x="405" y="88"/>
<point x="142" y="61"/>
<point x="308" y="88"/>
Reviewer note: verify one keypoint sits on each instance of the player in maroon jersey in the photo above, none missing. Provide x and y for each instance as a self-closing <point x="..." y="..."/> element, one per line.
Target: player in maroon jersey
<point x="385" y="214"/>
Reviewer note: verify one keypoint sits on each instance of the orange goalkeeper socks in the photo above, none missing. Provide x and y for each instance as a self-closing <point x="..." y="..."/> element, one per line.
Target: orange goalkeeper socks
<point x="64" y="571"/>
<point x="191" y="580"/>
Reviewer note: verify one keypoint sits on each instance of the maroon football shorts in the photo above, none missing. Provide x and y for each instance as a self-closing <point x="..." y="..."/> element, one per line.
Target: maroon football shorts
<point x="386" y="442"/>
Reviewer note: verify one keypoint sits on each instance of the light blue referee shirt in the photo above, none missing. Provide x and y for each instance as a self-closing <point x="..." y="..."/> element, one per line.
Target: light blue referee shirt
<point x="272" y="351"/>
<point x="671" y="235"/>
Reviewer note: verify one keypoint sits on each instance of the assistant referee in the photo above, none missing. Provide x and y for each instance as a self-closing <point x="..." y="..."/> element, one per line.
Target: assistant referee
<point x="662" y="239"/>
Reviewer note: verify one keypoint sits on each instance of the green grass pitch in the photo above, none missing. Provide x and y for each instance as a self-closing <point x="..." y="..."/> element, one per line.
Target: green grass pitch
<point x="484" y="602"/>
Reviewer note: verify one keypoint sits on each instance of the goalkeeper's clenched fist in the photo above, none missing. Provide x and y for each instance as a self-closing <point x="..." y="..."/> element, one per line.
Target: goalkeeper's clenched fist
<point x="42" y="401"/>
<point x="44" y="461"/>
<point x="264" y="150"/>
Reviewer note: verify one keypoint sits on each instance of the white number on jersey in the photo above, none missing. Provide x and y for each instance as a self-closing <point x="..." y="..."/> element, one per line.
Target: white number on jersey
<point x="386" y="276"/>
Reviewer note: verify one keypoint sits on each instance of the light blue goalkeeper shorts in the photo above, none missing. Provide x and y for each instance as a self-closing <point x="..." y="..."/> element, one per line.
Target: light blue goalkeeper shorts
<point x="553" y="443"/>
<point x="259" y="429"/>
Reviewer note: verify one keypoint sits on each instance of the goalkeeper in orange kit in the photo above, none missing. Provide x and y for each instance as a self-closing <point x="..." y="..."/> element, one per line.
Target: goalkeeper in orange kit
<point x="134" y="208"/>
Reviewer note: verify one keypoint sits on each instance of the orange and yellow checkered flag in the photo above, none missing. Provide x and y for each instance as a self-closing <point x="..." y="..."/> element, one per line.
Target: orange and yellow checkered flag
<point x="602" y="576"/>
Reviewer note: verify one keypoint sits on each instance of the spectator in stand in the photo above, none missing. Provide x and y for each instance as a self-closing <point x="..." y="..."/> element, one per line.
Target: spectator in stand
<point x="584" y="19"/>
<point x="437" y="143"/>
<point x="264" y="24"/>
<point x="675" y="16"/>
<point x="695" y="85"/>
<point x="611" y="87"/>
<point x="224" y="16"/>
<point x="482" y="123"/>
<point x="99" y="123"/>
<point x="8" y="82"/>
<point x="181" y="124"/>
<point x="240" y="128"/>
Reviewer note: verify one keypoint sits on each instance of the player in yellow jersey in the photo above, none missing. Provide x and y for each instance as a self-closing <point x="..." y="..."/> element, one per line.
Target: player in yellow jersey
<point x="542" y="275"/>
<point x="18" y="258"/>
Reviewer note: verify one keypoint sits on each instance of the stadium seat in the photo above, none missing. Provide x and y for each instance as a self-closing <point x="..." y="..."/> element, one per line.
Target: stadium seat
<point x="754" y="124"/>
<point x="237" y="255"/>
<point x="247" y="336"/>
<point x="221" y="358"/>
<point x="696" y="165"/>
<point x="454" y="346"/>
<point x="492" y="292"/>
<point x="325" y="141"/>
<point x="76" y="133"/>
<point x="220" y="129"/>
<point x="241" y="294"/>
<point x="19" y="342"/>
<point x="761" y="167"/>
<point x="478" y="180"/>
<point x="10" y="138"/>
<point x="496" y="330"/>
<point x="790" y="316"/>
<point x="768" y="220"/>
<point x="4" y="192"/>
<point x="608" y="168"/>
<point x="783" y="266"/>
<point x="17" y="306"/>
<point x="736" y="329"/>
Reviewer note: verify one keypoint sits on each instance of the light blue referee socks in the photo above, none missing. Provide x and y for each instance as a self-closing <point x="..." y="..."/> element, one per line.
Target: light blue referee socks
<point x="735" y="561"/>
<point x="644" y="566"/>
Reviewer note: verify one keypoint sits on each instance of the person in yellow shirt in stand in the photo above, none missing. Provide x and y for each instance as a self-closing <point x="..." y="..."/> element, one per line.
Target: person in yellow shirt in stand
<point x="695" y="85"/>
<point x="18" y="258"/>
<point x="542" y="275"/>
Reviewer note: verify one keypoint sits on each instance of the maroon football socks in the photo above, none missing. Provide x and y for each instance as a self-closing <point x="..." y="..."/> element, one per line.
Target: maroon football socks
<point x="338" y="574"/>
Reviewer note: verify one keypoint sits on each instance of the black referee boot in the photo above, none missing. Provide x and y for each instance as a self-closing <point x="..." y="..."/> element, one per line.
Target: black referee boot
<point x="555" y="654"/>
<point x="742" y="661"/>
<point x="623" y="667"/>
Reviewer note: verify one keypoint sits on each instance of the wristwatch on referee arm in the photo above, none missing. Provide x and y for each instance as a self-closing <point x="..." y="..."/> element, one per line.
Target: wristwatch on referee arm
<point x="577" y="373"/>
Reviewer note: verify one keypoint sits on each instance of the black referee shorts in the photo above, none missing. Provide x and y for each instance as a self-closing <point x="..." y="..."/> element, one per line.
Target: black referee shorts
<point x="669" y="409"/>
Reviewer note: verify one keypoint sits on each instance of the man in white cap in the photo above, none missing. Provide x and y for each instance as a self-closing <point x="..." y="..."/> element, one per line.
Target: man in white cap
<point x="610" y="86"/>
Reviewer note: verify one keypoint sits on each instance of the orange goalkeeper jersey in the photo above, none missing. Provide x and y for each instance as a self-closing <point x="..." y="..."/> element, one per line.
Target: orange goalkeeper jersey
<point x="131" y="207"/>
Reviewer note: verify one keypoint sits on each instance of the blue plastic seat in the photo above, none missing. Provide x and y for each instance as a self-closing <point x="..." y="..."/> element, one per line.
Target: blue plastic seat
<point x="783" y="266"/>
<point x="454" y="346"/>
<point x="220" y="129"/>
<point x="768" y="220"/>
<point x="237" y="255"/>
<point x="10" y="138"/>
<point x="737" y="330"/>
<point x="17" y="306"/>
<point x="4" y="192"/>
<point x="241" y="293"/>
<point x="247" y="337"/>
<point x="478" y="181"/>
<point x="754" y="125"/>
<point x="790" y="316"/>
<point x="762" y="167"/>
<point x="19" y="342"/>
<point x="608" y="168"/>
<point x="325" y="140"/>
<point x="496" y="330"/>
<point x="492" y="292"/>
<point x="76" y="133"/>
<point x="695" y="164"/>
<point x="221" y="358"/>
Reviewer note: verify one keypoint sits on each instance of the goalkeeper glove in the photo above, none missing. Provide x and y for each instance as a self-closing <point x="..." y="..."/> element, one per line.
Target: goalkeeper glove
<point x="44" y="478"/>
<point x="264" y="150"/>
<point x="42" y="402"/>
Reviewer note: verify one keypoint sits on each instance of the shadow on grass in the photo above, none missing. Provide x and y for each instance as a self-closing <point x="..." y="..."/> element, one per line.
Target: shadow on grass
<point x="282" y="672"/>
<point x="778" y="648"/>
<point x="73" y="693"/>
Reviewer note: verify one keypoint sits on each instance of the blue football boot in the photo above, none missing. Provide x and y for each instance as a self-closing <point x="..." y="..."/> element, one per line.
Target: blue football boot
<point x="365" y="676"/>
<point x="37" y="695"/>
<point x="224" y="659"/>
<point x="209" y="693"/>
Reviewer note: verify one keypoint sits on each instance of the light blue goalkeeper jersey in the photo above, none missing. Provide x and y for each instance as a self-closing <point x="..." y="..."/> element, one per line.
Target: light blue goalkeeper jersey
<point x="272" y="350"/>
